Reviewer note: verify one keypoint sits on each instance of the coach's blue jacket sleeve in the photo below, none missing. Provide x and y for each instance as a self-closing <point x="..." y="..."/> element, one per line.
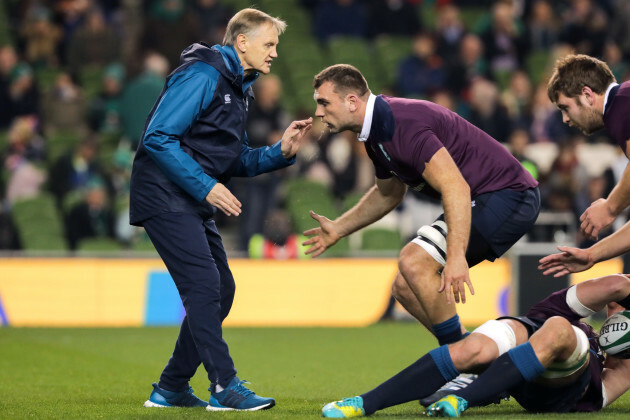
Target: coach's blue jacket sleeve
<point x="262" y="159"/>
<point x="188" y="94"/>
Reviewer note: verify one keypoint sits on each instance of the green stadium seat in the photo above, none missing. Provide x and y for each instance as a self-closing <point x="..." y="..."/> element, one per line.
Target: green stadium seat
<point x="60" y="143"/>
<point x="390" y="51"/>
<point x="379" y="239"/>
<point x="91" y="81"/>
<point x="46" y="78"/>
<point x="305" y="195"/>
<point x="537" y="66"/>
<point x="357" y="52"/>
<point x="38" y="223"/>
<point x="474" y="19"/>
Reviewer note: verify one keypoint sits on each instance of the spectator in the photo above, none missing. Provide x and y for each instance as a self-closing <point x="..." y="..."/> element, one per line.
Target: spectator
<point x="393" y="17"/>
<point x="504" y="40"/>
<point x="265" y="124"/>
<point x="487" y="112"/>
<point x="26" y="149"/>
<point x="422" y="73"/>
<point x="72" y="171"/>
<point x="543" y="26"/>
<point x="585" y="28"/>
<point x="24" y="141"/>
<point x="91" y="217"/>
<point x="140" y="94"/>
<point x="64" y="107"/>
<point x="278" y="240"/>
<point x="566" y="177"/>
<point x="104" y="110"/>
<point x="449" y="30"/>
<point x="69" y="16"/>
<point x="339" y="17"/>
<point x="466" y="67"/>
<point x="41" y="38"/>
<point x="18" y="91"/>
<point x="518" y="98"/>
<point x="519" y="139"/>
<point x="94" y="44"/>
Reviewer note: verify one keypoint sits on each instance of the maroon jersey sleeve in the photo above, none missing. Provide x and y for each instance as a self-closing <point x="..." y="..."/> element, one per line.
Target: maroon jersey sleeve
<point x="423" y="146"/>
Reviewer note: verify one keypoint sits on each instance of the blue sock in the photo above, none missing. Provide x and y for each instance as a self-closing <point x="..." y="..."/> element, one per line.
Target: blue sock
<point x="449" y="331"/>
<point x="420" y="379"/>
<point x="512" y="368"/>
<point x="526" y="361"/>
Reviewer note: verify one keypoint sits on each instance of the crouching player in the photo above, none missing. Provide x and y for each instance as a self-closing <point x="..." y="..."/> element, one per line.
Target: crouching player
<point x="548" y="360"/>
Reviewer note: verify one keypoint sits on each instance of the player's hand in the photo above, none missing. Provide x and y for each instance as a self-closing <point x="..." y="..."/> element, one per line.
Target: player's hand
<point x="221" y="198"/>
<point x="293" y="135"/>
<point x="454" y="277"/>
<point x="596" y="217"/>
<point x="570" y="260"/>
<point x="322" y="237"/>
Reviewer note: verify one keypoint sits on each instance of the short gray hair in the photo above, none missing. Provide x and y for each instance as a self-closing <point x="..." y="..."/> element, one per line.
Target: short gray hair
<point x="247" y="21"/>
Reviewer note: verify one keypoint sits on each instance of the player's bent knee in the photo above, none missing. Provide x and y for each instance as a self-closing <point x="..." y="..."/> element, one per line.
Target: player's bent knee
<point x="499" y="332"/>
<point x="433" y="240"/>
<point x="555" y="332"/>
<point x="400" y="288"/>
<point x="471" y="353"/>
<point x="410" y="263"/>
<point x="560" y="371"/>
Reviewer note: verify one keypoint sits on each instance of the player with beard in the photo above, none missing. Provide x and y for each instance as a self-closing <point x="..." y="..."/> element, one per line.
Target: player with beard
<point x="490" y="201"/>
<point x="589" y="97"/>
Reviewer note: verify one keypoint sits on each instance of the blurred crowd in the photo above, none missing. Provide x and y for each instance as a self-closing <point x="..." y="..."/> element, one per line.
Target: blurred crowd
<point x="78" y="77"/>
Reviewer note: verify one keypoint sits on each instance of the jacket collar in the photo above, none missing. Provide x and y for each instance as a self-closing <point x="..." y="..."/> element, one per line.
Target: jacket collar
<point x="233" y="64"/>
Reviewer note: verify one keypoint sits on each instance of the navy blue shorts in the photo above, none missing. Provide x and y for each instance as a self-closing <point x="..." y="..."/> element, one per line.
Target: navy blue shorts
<point x="499" y="220"/>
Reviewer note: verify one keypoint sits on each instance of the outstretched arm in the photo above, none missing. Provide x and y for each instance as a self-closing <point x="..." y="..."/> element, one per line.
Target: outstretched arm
<point x="376" y="203"/>
<point x="603" y="212"/>
<point x="597" y="293"/>
<point x="574" y="260"/>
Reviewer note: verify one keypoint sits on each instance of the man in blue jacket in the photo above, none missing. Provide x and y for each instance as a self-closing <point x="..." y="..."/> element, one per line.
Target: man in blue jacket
<point x="194" y="141"/>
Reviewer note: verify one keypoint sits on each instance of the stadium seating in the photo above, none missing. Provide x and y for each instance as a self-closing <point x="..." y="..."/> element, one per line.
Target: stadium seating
<point x="390" y="50"/>
<point x="60" y="143"/>
<point x="379" y="239"/>
<point x="537" y="66"/>
<point x="305" y="195"/>
<point x="39" y="224"/>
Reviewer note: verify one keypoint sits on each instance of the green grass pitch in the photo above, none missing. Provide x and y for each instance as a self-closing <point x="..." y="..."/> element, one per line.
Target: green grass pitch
<point x="107" y="373"/>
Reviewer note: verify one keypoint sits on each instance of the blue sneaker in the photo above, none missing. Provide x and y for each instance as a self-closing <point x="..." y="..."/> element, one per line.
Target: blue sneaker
<point x="163" y="398"/>
<point x="348" y="407"/>
<point x="449" y="406"/>
<point x="237" y="396"/>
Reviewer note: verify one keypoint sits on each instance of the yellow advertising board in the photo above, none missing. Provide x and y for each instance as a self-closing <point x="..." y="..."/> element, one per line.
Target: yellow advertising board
<point x="137" y="292"/>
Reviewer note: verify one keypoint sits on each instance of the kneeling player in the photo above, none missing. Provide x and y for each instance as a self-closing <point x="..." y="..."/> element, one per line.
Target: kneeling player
<point x="548" y="361"/>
